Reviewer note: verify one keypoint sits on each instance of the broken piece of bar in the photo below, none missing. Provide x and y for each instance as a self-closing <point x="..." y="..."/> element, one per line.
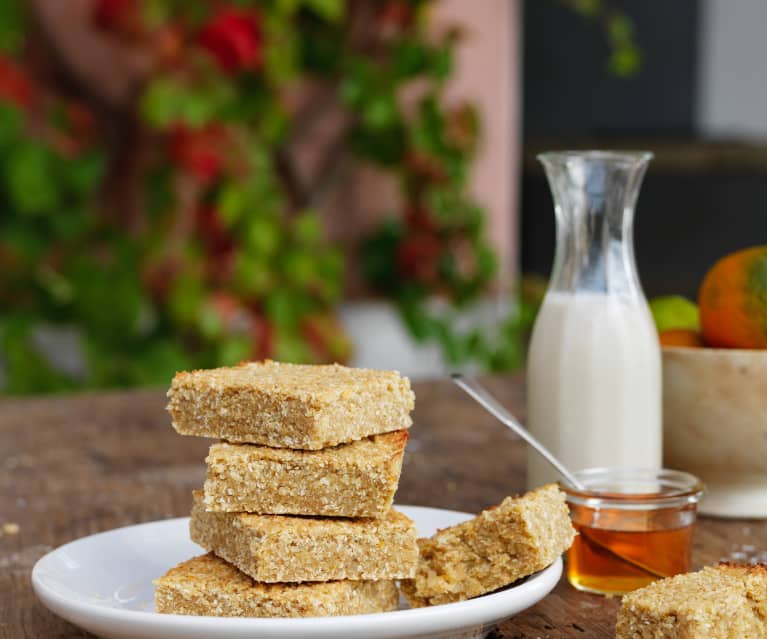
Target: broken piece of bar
<point x="290" y="405"/>
<point x="350" y="480"/>
<point x="275" y="548"/>
<point x="520" y="536"/>
<point x="207" y="585"/>
<point x="729" y="600"/>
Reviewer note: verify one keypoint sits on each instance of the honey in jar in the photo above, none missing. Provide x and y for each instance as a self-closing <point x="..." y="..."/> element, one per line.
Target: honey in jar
<point x="634" y="525"/>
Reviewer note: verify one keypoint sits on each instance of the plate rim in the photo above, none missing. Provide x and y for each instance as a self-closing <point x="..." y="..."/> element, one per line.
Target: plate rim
<point x="484" y="609"/>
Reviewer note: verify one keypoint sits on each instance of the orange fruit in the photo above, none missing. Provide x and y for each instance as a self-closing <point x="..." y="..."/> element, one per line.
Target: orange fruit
<point x="733" y="301"/>
<point x="680" y="337"/>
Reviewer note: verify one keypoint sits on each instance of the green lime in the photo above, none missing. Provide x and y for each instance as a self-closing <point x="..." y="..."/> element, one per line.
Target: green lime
<point x="674" y="311"/>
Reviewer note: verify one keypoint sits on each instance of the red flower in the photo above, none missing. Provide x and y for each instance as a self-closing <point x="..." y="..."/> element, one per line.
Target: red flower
<point x="15" y="85"/>
<point x="117" y="15"/>
<point x="199" y="151"/>
<point x="396" y="15"/>
<point x="418" y="257"/>
<point x="233" y="37"/>
<point x="419" y="219"/>
<point x="218" y="243"/>
<point x="263" y="337"/>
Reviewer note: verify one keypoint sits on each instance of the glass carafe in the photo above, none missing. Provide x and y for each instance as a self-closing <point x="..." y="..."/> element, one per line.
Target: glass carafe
<point x="594" y="372"/>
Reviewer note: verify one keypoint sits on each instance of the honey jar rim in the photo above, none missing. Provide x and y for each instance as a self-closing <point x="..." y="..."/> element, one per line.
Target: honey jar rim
<point x="652" y="488"/>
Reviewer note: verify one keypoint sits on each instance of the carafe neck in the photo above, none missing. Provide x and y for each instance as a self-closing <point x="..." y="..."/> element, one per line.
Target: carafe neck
<point x="594" y="197"/>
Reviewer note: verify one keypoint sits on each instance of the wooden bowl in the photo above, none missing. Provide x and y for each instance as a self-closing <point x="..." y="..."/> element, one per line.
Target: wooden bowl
<point x="715" y="425"/>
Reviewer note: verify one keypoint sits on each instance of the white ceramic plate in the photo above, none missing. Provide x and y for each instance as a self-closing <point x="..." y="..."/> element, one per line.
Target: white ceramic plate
<point x="103" y="583"/>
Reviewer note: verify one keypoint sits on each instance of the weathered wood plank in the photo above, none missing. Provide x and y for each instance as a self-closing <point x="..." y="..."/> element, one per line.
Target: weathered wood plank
<point x="72" y="466"/>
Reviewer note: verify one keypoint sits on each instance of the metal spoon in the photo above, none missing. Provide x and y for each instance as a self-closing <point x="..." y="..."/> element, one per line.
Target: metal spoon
<point x="491" y="405"/>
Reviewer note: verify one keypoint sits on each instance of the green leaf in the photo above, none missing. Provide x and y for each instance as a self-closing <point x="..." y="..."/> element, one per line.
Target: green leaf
<point x="28" y="176"/>
<point x="26" y="370"/>
<point x="331" y="10"/>
<point x="378" y="256"/>
<point x="234" y="349"/>
<point x="157" y="363"/>
<point x="109" y="300"/>
<point x="231" y="203"/>
<point x="25" y="239"/>
<point x="380" y="112"/>
<point x="287" y="7"/>
<point x="197" y="109"/>
<point x="625" y="61"/>
<point x="620" y="28"/>
<point x="321" y="47"/>
<point x="253" y="277"/>
<point x="409" y="58"/>
<point x="10" y="124"/>
<point x="263" y="236"/>
<point x="209" y="322"/>
<point x="12" y="25"/>
<point x="290" y="347"/>
<point x="281" y="53"/>
<point x="298" y="268"/>
<point x="186" y="299"/>
<point x="85" y="173"/>
<point x="58" y="286"/>
<point x="307" y="229"/>
<point x="281" y="309"/>
<point x="160" y="104"/>
<point x="386" y="146"/>
<point x="441" y="63"/>
<point x="587" y="8"/>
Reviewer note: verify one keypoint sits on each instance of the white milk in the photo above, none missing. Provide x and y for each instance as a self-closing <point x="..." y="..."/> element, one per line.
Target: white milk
<point x="594" y="384"/>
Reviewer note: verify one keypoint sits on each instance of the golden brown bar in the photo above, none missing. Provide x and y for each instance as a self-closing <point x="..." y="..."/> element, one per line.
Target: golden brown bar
<point x="290" y="405"/>
<point x="725" y="601"/>
<point x="350" y="480"/>
<point x="500" y="545"/>
<point x="207" y="585"/>
<point x="279" y="548"/>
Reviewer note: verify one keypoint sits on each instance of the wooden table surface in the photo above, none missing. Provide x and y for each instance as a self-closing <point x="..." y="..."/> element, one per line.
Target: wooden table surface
<point x="73" y="466"/>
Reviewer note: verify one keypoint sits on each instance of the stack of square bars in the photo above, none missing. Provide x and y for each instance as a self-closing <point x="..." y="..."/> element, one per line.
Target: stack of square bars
<point x="296" y="508"/>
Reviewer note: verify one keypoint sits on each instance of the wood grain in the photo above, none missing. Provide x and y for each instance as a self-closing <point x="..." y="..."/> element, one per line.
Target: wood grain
<point x="73" y="466"/>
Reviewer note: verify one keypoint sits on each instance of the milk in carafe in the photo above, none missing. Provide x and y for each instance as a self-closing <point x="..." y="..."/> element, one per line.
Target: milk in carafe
<point x="594" y="370"/>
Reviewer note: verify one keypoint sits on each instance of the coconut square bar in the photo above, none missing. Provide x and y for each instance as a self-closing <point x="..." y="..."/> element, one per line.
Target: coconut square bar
<point x="209" y="586"/>
<point x="728" y="600"/>
<point x="280" y="548"/>
<point x="514" y="539"/>
<point x="350" y="480"/>
<point x="290" y="405"/>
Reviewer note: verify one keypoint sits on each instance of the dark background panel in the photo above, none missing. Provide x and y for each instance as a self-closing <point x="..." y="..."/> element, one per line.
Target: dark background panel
<point x="568" y="92"/>
<point x="683" y="224"/>
<point x="700" y="200"/>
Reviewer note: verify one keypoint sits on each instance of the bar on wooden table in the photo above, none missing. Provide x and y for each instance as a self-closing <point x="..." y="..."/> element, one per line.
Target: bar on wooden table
<point x="729" y="600"/>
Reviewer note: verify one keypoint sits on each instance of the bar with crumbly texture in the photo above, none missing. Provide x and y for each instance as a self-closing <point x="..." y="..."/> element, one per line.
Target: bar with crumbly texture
<point x="349" y="480"/>
<point x="209" y="586"/>
<point x="728" y="600"/>
<point x="290" y="405"/>
<point x="514" y="539"/>
<point x="284" y="548"/>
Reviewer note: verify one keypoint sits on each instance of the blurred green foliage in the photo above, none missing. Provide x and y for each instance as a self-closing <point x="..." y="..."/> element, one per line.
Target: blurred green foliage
<point x="178" y="231"/>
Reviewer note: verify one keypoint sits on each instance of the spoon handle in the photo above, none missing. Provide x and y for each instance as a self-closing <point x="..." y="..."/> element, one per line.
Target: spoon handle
<point x="490" y="404"/>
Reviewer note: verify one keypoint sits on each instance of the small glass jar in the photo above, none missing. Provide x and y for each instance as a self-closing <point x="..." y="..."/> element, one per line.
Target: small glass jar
<point x="635" y="525"/>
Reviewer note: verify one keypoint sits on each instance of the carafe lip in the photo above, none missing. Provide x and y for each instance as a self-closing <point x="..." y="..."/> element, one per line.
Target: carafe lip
<point x="628" y="157"/>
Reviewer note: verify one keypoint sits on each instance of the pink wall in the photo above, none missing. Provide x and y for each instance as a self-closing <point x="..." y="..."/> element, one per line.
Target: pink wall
<point x="488" y="74"/>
